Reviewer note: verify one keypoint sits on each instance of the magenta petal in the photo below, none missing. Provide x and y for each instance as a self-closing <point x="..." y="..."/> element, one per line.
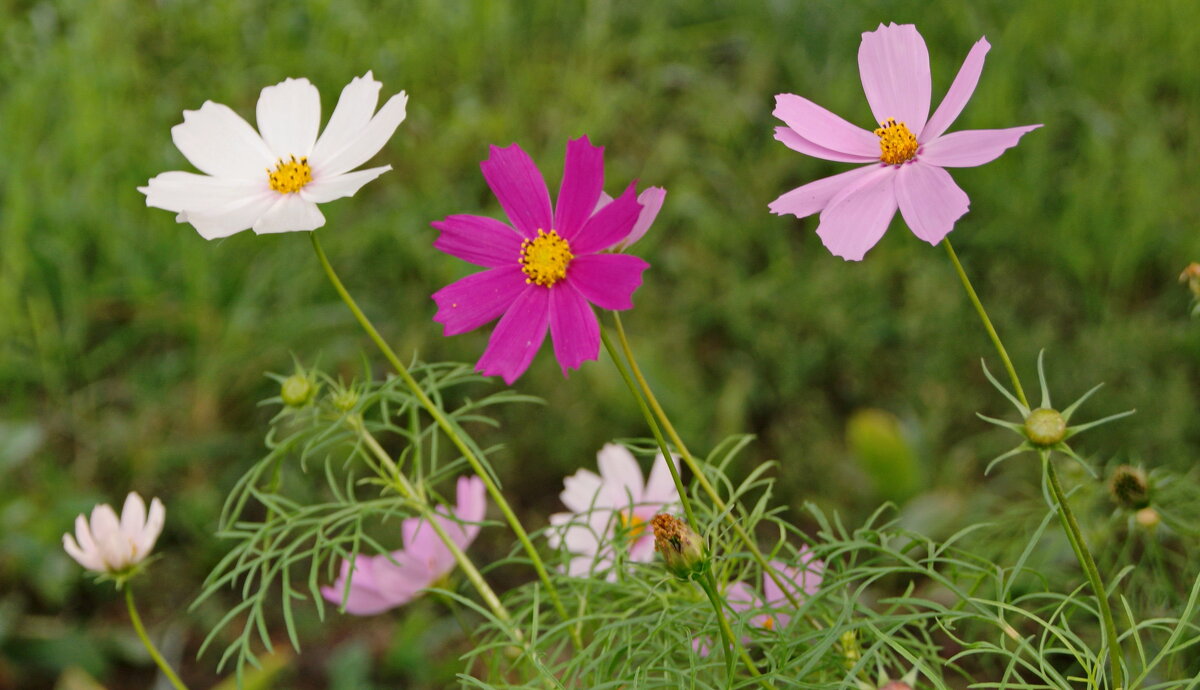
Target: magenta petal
<point x="856" y="218"/>
<point x="519" y="187"/>
<point x="894" y="65"/>
<point x="959" y="93"/>
<point x="518" y="336"/>
<point x="815" y="196"/>
<point x="479" y="298"/>
<point x="817" y="125"/>
<point x="582" y="182"/>
<point x="609" y="225"/>
<point x="971" y="147"/>
<point x="480" y="240"/>
<point x="573" y="328"/>
<point x="929" y="200"/>
<point x="795" y="142"/>
<point x="607" y="280"/>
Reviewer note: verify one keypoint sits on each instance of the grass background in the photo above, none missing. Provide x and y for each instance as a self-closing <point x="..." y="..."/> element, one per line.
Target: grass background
<point x="132" y="351"/>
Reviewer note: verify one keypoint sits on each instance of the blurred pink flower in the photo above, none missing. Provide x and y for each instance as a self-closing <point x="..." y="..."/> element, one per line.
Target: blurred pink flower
<point x="379" y="583"/>
<point x="906" y="155"/>
<point x="611" y="510"/>
<point x="545" y="270"/>
<point x="273" y="182"/>
<point x="111" y="545"/>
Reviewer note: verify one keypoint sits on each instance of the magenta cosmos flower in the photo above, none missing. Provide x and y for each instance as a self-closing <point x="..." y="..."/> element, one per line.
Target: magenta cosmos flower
<point x="379" y="583"/>
<point x="906" y="154"/>
<point x="545" y="270"/>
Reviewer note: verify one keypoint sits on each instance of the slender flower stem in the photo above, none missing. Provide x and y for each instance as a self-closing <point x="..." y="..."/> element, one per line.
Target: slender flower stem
<point x="493" y="490"/>
<point x="691" y="462"/>
<point x="1066" y="516"/>
<point x="141" y="633"/>
<point x="733" y="646"/>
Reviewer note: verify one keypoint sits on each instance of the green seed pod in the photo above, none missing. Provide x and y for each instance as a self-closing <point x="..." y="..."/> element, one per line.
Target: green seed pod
<point x="297" y="390"/>
<point x="1045" y="427"/>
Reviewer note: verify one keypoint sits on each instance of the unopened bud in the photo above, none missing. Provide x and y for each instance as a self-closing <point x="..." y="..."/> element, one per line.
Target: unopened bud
<point x="1129" y="488"/>
<point x="1148" y="518"/>
<point x="680" y="546"/>
<point x="1045" y="427"/>
<point x="345" y="399"/>
<point x="297" y="390"/>
<point x="850" y="652"/>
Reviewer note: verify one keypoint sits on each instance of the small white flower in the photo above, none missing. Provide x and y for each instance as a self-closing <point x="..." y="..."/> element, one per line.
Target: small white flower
<point x="112" y="546"/>
<point x="273" y="182"/>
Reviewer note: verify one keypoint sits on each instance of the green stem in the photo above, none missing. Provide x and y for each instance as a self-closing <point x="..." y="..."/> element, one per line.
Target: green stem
<point x="691" y="462"/>
<point x="987" y="323"/>
<point x="493" y="490"/>
<point x="1066" y="516"/>
<point x="733" y="647"/>
<point x="141" y="633"/>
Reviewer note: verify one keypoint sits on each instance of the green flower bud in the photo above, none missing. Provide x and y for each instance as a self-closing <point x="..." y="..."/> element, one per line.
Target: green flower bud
<point x="681" y="548"/>
<point x="1129" y="487"/>
<point x="1045" y="427"/>
<point x="345" y="399"/>
<point x="297" y="390"/>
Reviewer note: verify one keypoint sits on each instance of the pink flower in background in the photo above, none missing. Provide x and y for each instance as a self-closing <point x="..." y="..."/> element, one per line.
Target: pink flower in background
<point x="905" y="156"/>
<point x="378" y="584"/>
<point x="273" y="182"/>
<point x="545" y="270"/>
<point x="611" y="510"/>
<point x="111" y="545"/>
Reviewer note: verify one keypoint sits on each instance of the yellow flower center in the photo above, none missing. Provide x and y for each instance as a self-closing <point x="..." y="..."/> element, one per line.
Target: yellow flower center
<point x="896" y="144"/>
<point x="633" y="525"/>
<point x="545" y="258"/>
<point x="289" y="176"/>
<point x="769" y="623"/>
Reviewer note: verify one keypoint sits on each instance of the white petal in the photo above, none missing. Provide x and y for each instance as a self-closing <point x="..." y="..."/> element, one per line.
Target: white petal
<point x="660" y="487"/>
<point x="622" y="477"/>
<point x="290" y="213"/>
<point x="184" y="191"/>
<point x="233" y="217"/>
<point x="368" y="140"/>
<point x="219" y="142"/>
<point x="87" y="559"/>
<point x="327" y="188"/>
<point x="354" y="110"/>
<point x="133" y="515"/>
<point x="154" y="525"/>
<point x="110" y="543"/>
<point x="580" y="491"/>
<point x="83" y="532"/>
<point x="289" y="115"/>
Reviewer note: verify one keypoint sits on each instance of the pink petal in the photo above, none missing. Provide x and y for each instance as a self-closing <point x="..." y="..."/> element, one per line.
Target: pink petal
<point x="795" y="142"/>
<point x="519" y="188"/>
<point x="929" y="200"/>
<point x="325" y="187"/>
<point x="651" y="200"/>
<point x="518" y="336"/>
<point x="827" y="131"/>
<point x="133" y="515"/>
<point x="660" y="487"/>
<point x="478" y="299"/>
<point x="815" y="196"/>
<point x="153" y="528"/>
<point x="609" y="225"/>
<point x="971" y="147"/>
<point x="623" y="483"/>
<point x="741" y="597"/>
<point x="582" y="182"/>
<point x="580" y="490"/>
<point x="894" y="65"/>
<point x="959" y="93"/>
<point x="480" y="240"/>
<point x="607" y="280"/>
<point x="857" y="217"/>
<point x="289" y="116"/>
<point x="471" y="504"/>
<point x="573" y="328"/>
<point x="219" y="142"/>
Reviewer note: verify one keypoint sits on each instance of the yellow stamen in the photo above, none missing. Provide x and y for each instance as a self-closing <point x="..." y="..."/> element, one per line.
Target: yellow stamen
<point x="290" y="176"/>
<point x="896" y="143"/>
<point x="633" y="525"/>
<point x="769" y="623"/>
<point x="545" y="258"/>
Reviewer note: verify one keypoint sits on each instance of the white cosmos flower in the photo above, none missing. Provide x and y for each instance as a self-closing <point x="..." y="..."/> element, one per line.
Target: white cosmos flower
<point x="112" y="546"/>
<point x="273" y="182"/>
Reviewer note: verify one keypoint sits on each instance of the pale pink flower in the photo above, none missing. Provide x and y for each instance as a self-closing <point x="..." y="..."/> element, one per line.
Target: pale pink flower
<point x="651" y="200"/>
<point x="273" y="182"/>
<point x="906" y="156"/>
<point x="379" y="583"/>
<point x="111" y="545"/>
<point x="611" y="511"/>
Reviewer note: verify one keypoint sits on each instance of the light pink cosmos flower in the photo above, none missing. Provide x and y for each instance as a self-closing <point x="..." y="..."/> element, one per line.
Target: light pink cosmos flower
<point x="545" y="270"/>
<point x="611" y="511"/>
<point x="906" y="156"/>
<point x="111" y="545"/>
<point x="379" y="583"/>
<point x="651" y="200"/>
<point x="273" y="182"/>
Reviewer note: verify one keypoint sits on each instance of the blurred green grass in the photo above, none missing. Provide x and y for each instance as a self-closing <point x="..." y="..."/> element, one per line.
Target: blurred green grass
<point x="132" y="351"/>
